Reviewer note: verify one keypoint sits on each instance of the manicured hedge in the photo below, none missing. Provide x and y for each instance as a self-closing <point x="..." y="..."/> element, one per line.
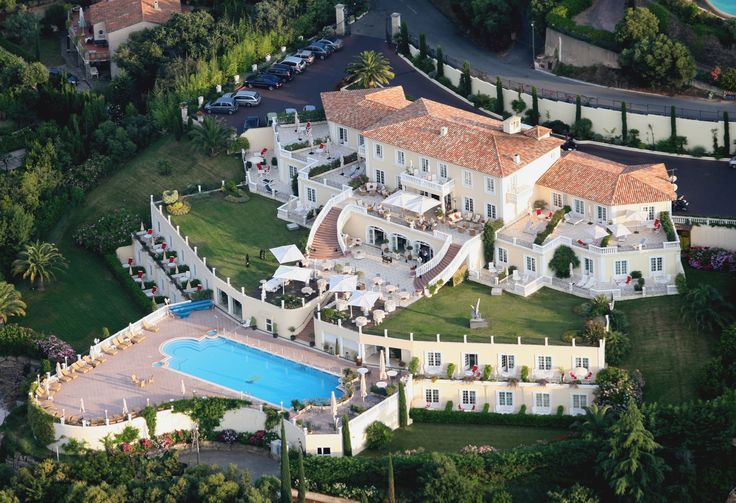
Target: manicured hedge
<point x="126" y="281"/>
<point x="491" y="418"/>
<point x="556" y="219"/>
<point x="667" y="226"/>
<point x="16" y="340"/>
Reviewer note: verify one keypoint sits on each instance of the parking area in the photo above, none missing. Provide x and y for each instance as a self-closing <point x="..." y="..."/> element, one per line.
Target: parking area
<point x="326" y="75"/>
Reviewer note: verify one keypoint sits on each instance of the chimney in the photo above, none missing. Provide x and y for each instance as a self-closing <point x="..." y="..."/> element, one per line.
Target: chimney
<point x="517" y="159"/>
<point x="155" y="5"/>
<point x="443" y="131"/>
<point x="512" y="125"/>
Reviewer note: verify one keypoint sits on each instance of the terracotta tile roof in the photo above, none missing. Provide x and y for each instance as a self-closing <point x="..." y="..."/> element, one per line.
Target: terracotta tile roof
<point x="537" y="132"/>
<point x="360" y="109"/>
<point x="609" y="182"/>
<point x="471" y="140"/>
<point x="119" y="14"/>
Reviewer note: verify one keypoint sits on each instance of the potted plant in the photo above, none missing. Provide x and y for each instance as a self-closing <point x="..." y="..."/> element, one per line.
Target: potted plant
<point x="408" y="252"/>
<point x="292" y="336"/>
<point x="275" y="331"/>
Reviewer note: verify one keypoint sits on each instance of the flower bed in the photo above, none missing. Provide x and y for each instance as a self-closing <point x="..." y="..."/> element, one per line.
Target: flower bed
<point x="56" y="350"/>
<point x="712" y="259"/>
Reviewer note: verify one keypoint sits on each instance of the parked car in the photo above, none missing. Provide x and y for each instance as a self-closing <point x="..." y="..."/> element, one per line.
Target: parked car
<point x="318" y="51"/>
<point x="325" y="45"/>
<point x="281" y="71"/>
<point x="251" y="122"/>
<point x="62" y="73"/>
<point x="263" y="80"/>
<point x="246" y="98"/>
<point x="297" y="64"/>
<point x="307" y="56"/>
<point x="732" y="162"/>
<point x="309" y="108"/>
<point x="335" y="42"/>
<point x="223" y="105"/>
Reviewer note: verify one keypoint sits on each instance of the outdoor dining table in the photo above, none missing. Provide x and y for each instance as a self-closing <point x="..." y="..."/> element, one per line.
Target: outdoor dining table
<point x="378" y="280"/>
<point x="361" y="321"/>
<point x="390" y="288"/>
<point x="359" y="255"/>
<point x="392" y="373"/>
<point x="307" y="290"/>
<point x="404" y="295"/>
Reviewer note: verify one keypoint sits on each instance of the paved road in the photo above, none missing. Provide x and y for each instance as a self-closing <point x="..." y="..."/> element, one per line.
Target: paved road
<point x="422" y="17"/>
<point x="706" y="184"/>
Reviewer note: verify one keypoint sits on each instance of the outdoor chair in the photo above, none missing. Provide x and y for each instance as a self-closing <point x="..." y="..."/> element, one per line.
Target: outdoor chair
<point x="140" y="337"/>
<point x="582" y="281"/>
<point x="81" y="366"/>
<point x="95" y="362"/>
<point x="121" y="343"/>
<point x="110" y="350"/>
<point x="150" y="327"/>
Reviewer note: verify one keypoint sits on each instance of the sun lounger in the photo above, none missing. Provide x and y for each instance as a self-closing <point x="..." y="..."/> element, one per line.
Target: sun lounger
<point x="139" y="337"/>
<point x="589" y="284"/>
<point x="110" y="350"/>
<point x="64" y="378"/>
<point x="573" y="219"/>
<point x="81" y="366"/>
<point x="150" y="327"/>
<point x="95" y="362"/>
<point x="582" y="281"/>
<point x="121" y="343"/>
<point x="69" y="372"/>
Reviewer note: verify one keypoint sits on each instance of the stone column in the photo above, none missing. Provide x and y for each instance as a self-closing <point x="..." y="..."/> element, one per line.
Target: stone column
<point x="395" y="24"/>
<point x="340" y="19"/>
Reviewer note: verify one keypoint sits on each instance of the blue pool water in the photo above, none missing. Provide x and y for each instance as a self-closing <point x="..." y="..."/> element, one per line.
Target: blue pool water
<point x="725" y="6"/>
<point x="256" y="373"/>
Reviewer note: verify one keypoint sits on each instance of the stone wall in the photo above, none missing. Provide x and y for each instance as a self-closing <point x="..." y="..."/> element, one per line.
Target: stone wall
<point x="571" y="51"/>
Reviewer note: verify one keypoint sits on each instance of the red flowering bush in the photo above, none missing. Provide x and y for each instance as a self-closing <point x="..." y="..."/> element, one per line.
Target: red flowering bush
<point x="126" y="447"/>
<point x="227" y="436"/>
<point x="56" y="350"/>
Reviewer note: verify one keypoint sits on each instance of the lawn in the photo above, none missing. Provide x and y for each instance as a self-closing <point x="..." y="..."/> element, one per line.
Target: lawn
<point x="225" y="232"/>
<point x="85" y="296"/>
<point x="547" y="313"/>
<point x="669" y="353"/>
<point x="453" y="437"/>
<point x="50" y="51"/>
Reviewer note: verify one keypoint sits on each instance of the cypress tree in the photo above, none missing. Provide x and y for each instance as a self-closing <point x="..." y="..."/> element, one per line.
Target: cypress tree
<point x="403" y="412"/>
<point x="726" y="136"/>
<point x="347" y="444"/>
<point x="578" y="108"/>
<point x="302" y="480"/>
<point x="422" y="46"/>
<point x="673" y="123"/>
<point x="404" y="40"/>
<point x="499" y="96"/>
<point x="391" y="496"/>
<point x="440" y="62"/>
<point x="285" y="470"/>
<point x="534" y="116"/>
<point x="465" y="86"/>
<point x="624" y="125"/>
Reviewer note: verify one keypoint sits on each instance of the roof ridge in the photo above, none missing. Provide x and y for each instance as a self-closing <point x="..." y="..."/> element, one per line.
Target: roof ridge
<point x="498" y="156"/>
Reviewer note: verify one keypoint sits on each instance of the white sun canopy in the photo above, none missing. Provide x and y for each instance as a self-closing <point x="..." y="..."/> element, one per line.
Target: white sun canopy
<point x="343" y="283"/>
<point x="363" y="299"/>
<point x="597" y="232"/>
<point x="411" y="202"/>
<point x="286" y="254"/>
<point x="619" y="230"/>
<point x="293" y="273"/>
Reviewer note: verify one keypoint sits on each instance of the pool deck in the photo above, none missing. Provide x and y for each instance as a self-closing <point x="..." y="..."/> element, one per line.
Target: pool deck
<point x="104" y="388"/>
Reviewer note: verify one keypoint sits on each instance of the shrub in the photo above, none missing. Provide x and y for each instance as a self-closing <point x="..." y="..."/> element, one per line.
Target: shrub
<point x="569" y="335"/>
<point x="616" y="386"/>
<point x="450" y="370"/>
<point x="56" y="350"/>
<point x="40" y="423"/>
<point x="561" y="260"/>
<point x="448" y="406"/>
<point x="487" y="372"/>
<point x="667" y="226"/>
<point x="635" y="274"/>
<point x="551" y="225"/>
<point x="618" y="346"/>
<point x="164" y="167"/>
<point x="490" y="418"/>
<point x="414" y="365"/>
<point x="522" y="409"/>
<point x="639" y="285"/>
<point x="525" y="373"/>
<point x="595" y="330"/>
<point x="16" y="340"/>
<point x="681" y="283"/>
<point x="108" y="233"/>
<point x="378" y="435"/>
<point x="124" y="279"/>
<point x="582" y="129"/>
<point x="557" y="126"/>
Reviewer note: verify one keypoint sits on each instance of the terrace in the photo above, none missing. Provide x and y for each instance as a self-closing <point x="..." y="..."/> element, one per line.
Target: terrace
<point x="81" y="37"/>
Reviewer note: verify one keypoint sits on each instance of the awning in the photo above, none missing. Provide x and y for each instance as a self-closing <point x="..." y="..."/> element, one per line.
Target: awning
<point x="286" y="254"/>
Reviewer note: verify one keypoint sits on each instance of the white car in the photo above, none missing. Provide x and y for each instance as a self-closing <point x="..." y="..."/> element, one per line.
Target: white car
<point x="246" y="98"/>
<point x="297" y="63"/>
<point x="732" y="162"/>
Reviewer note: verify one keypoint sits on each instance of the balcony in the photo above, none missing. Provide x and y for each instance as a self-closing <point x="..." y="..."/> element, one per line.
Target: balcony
<point x="427" y="182"/>
<point x="518" y="194"/>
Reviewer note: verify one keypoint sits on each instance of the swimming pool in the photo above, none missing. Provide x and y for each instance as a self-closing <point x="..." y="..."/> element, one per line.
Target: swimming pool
<point x="725" y="6"/>
<point x="245" y="369"/>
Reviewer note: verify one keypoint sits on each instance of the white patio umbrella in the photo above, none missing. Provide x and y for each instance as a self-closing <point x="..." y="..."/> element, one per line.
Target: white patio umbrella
<point x="619" y="230"/>
<point x="46" y="385"/>
<point x="125" y="406"/>
<point x="382" y="367"/>
<point x="571" y="269"/>
<point x="363" y="299"/>
<point x="82" y="23"/>
<point x="635" y="216"/>
<point x="343" y="283"/>
<point x="597" y="232"/>
<point x="296" y="121"/>
<point x="58" y="368"/>
<point x="81" y="406"/>
<point x="183" y="388"/>
<point x="399" y="199"/>
<point x="363" y="389"/>
<point x="287" y="253"/>
<point x="288" y="272"/>
<point x="333" y="404"/>
<point x="421" y="204"/>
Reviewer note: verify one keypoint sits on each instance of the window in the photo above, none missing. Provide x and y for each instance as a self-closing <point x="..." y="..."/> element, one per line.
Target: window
<point x="434" y="359"/>
<point x="582" y="361"/>
<point x="621" y="267"/>
<point x="398" y="182"/>
<point x="361" y="140"/>
<point x="269" y="325"/>
<point x="602" y="213"/>
<point x="530" y="264"/>
<point x="470" y="360"/>
<point x="579" y="401"/>
<point x="649" y="212"/>
<point x="324" y="451"/>
<point x="293" y="171"/>
<point x="544" y="362"/>
<point x="425" y="165"/>
<point x="467" y="178"/>
<point x="400" y="158"/>
<point x="557" y="200"/>
<point x="505" y="399"/>
<point x="432" y="395"/>
<point x="468" y="204"/>
<point x="503" y="255"/>
<point x="541" y="400"/>
<point x="490" y="185"/>
<point x="588" y="265"/>
<point x="656" y="264"/>
<point x="579" y="207"/>
<point x="380" y="176"/>
<point x="342" y="134"/>
<point x="379" y="151"/>
<point x="443" y="171"/>
<point x="468" y="397"/>
<point x="311" y="195"/>
<point x="508" y="363"/>
<point x="491" y="211"/>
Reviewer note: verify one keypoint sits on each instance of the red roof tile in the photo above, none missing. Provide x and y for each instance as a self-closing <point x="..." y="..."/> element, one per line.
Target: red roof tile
<point x="120" y="14"/>
<point x="360" y="108"/>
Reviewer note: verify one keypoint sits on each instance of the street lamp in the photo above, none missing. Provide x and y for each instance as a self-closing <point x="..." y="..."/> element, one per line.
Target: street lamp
<point x="534" y="52"/>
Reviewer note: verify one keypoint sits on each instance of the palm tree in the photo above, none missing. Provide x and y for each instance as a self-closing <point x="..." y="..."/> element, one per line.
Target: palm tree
<point x="369" y="70"/>
<point x="211" y="136"/>
<point x="10" y="302"/>
<point x="705" y="308"/>
<point x="38" y="262"/>
<point x="595" y="422"/>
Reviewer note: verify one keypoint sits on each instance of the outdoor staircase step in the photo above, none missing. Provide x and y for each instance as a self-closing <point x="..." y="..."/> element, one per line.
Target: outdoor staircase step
<point x="421" y="282"/>
<point x="325" y="245"/>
